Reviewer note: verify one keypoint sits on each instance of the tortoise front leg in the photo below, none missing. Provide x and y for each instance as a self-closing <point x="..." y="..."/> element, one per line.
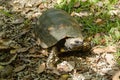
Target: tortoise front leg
<point x="52" y="58"/>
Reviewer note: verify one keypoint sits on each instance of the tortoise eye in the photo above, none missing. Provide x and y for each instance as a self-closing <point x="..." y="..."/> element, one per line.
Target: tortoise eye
<point x="77" y="41"/>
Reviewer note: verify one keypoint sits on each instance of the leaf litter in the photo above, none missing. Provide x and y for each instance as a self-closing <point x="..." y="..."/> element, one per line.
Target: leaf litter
<point x="28" y="60"/>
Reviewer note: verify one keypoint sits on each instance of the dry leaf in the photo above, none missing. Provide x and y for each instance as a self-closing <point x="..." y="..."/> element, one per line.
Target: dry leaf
<point x="99" y="21"/>
<point x="43" y="5"/>
<point x="77" y="76"/>
<point x="1" y="7"/>
<point x="32" y="50"/>
<point x="64" y="67"/>
<point x="110" y="49"/>
<point x="19" y="50"/>
<point x="110" y="59"/>
<point x="5" y="43"/>
<point x="103" y="41"/>
<point x="59" y="1"/>
<point x="83" y="0"/>
<point x="100" y="4"/>
<point x="98" y="50"/>
<point x="6" y="71"/>
<point x="80" y="14"/>
<point x="77" y="4"/>
<point x="116" y="76"/>
<point x="44" y="52"/>
<point x="41" y="68"/>
<point x="19" y="68"/>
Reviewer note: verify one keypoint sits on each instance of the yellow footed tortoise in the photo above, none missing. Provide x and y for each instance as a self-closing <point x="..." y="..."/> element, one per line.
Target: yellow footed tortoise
<point x="56" y="29"/>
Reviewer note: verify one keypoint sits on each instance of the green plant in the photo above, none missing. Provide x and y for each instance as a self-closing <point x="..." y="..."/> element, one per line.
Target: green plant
<point x="6" y="13"/>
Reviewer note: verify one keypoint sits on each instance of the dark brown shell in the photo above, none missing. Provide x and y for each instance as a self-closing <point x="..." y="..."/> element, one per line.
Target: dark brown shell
<point x="54" y="25"/>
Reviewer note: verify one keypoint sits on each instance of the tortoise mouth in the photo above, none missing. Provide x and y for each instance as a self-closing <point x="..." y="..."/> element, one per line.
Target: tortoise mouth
<point x="75" y="48"/>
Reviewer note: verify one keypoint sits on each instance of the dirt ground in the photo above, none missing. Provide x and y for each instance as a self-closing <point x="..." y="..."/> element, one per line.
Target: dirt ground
<point x="22" y="59"/>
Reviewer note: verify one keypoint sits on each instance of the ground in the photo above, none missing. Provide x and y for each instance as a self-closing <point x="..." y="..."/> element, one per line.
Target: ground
<point x="21" y="58"/>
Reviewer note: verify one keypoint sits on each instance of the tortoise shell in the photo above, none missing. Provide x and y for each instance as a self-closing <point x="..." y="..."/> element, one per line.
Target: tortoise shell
<point x="54" y="25"/>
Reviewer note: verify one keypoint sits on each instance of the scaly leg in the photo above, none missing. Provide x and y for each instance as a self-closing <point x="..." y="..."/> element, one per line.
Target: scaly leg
<point x="52" y="58"/>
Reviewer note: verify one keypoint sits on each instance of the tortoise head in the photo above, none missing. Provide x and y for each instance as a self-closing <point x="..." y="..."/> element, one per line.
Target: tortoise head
<point x="73" y="43"/>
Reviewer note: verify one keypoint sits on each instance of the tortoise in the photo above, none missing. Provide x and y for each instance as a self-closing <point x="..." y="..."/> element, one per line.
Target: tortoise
<point x="59" y="32"/>
<point x="57" y="28"/>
